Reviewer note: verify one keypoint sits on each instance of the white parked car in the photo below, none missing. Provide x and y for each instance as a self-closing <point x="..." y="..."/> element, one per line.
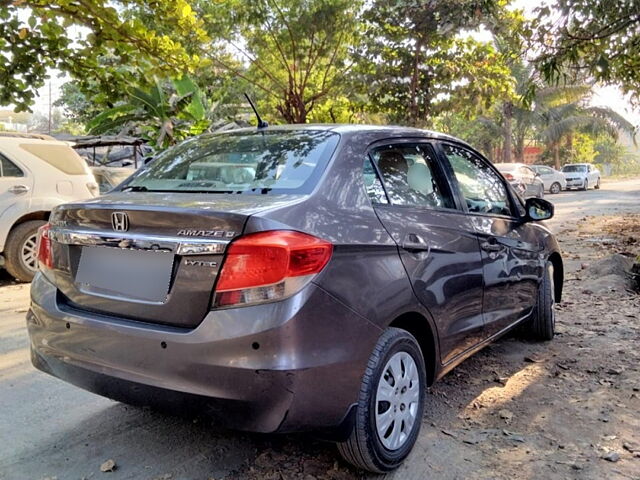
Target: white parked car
<point x="581" y="175"/>
<point x="522" y="178"/>
<point x="553" y="180"/>
<point x="37" y="173"/>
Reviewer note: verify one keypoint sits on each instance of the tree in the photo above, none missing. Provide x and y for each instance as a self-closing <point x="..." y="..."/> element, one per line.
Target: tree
<point x="595" y="38"/>
<point x="558" y="122"/>
<point x="34" y="36"/>
<point x="297" y="52"/>
<point x="165" y="114"/>
<point x="415" y="64"/>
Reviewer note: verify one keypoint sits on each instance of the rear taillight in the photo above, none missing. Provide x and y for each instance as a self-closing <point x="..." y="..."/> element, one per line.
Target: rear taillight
<point x="45" y="252"/>
<point x="269" y="266"/>
<point x="508" y="176"/>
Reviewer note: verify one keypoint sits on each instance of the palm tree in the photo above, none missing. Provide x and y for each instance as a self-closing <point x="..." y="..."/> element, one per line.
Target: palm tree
<point x="559" y="122"/>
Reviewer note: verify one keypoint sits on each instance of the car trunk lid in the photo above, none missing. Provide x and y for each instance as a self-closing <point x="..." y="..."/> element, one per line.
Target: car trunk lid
<point x="148" y="256"/>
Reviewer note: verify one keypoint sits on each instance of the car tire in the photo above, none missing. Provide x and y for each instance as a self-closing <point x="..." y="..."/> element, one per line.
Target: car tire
<point x="20" y="250"/>
<point x="540" y="192"/>
<point x="541" y="325"/>
<point x="597" y="186"/>
<point x="555" y="188"/>
<point x="367" y="448"/>
<point x="585" y="186"/>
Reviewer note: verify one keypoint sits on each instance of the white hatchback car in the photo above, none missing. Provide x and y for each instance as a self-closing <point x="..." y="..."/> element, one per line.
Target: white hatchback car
<point x="37" y="173"/>
<point x="554" y="181"/>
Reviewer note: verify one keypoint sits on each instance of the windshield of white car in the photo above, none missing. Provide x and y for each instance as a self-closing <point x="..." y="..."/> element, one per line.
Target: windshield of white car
<point x="574" y="168"/>
<point x="244" y="162"/>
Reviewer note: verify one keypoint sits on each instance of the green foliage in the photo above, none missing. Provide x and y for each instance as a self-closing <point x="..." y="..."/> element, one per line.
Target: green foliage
<point x="415" y="65"/>
<point x="164" y="114"/>
<point x="296" y="51"/>
<point x="36" y="35"/>
<point x="594" y="38"/>
<point x="609" y="152"/>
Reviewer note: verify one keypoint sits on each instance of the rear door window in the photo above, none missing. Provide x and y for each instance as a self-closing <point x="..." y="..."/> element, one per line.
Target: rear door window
<point x="8" y="168"/>
<point x="411" y="176"/>
<point x="372" y="183"/>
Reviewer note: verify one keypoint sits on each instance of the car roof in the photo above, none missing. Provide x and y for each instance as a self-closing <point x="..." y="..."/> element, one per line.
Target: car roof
<point x="35" y="136"/>
<point x="346" y="129"/>
<point x="11" y="140"/>
<point x="510" y="165"/>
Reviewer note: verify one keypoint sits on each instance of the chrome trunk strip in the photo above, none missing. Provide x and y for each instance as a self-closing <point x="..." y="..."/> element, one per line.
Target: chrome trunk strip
<point x="136" y="241"/>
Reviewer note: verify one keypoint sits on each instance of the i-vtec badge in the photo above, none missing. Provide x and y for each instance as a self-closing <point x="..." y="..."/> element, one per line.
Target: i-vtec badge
<point x="206" y="233"/>
<point x="200" y="263"/>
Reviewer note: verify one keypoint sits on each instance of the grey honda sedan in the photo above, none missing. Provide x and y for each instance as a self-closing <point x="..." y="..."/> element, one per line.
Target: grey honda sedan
<point x="294" y="278"/>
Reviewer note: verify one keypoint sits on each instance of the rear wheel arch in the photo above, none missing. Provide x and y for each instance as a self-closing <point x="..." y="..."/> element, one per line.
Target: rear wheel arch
<point x="38" y="215"/>
<point x="558" y="275"/>
<point x="419" y="326"/>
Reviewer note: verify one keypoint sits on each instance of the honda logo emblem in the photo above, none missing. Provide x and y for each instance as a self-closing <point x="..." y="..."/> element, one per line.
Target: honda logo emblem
<point x="120" y="221"/>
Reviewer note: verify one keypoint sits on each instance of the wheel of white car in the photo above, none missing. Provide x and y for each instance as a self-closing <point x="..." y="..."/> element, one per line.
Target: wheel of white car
<point x="390" y="404"/>
<point x="597" y="187"/>
<point x="586" y="185"/>
<point x="20" y="250"/>
<point x="555" y="188"/>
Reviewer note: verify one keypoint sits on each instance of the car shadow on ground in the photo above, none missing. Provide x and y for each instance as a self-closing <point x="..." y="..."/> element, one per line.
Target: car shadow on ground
<point x="6" y="279"/>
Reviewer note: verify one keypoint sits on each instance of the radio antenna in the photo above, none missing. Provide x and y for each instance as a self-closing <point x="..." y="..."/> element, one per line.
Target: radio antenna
<point x="261" y="123"/>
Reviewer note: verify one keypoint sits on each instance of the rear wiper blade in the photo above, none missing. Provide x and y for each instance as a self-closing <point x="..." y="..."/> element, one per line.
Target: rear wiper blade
<point x="135" y="188"/>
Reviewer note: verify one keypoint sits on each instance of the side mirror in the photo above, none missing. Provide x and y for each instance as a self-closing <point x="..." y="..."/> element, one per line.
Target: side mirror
<point x="538" y="209"/>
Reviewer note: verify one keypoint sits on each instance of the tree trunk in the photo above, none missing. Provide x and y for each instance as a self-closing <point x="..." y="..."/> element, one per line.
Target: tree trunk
<point x="556" y="155"/>
<point x="519" y="149"/>
<point x="507" y="110"/>
<point x="413" y="86"/>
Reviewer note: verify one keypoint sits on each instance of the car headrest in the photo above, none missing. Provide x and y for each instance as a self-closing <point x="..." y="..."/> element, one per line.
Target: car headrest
<point x="419" y="178"/>
<point x="392" y="163"/>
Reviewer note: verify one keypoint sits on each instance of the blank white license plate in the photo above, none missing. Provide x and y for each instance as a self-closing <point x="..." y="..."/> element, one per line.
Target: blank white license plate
<point x="128" y="274"/>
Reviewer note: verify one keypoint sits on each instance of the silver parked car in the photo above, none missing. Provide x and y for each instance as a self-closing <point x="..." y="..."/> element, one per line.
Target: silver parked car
<point x="553" y="180"/>
<point x="582" y="176"/>
<point x="522" y="178"/>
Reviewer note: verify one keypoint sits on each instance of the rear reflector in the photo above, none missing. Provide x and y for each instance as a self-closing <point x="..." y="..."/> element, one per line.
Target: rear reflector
<point x="45" y="252"/>
<point x="269" y="266"/>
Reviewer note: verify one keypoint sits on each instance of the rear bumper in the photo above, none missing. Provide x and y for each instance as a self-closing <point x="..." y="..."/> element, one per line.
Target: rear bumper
<point x="286" y="366"/>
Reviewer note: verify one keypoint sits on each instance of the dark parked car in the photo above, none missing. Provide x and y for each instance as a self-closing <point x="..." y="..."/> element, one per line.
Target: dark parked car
<point x="294" y="278"/>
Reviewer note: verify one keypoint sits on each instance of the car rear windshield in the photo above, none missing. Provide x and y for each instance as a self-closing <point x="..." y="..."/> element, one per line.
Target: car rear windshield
<point x="258" y="162"/>
<point x="574" y="168"/>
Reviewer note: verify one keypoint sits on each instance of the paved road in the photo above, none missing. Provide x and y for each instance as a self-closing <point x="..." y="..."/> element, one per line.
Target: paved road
<point x="615" y="197"/>
<point x="49" y="429"/>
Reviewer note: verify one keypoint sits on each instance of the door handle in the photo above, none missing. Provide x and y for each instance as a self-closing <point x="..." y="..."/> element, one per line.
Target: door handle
<point x="18" y="189"/>
<point x="491" y="245"/>
<point x="415" y="243"/>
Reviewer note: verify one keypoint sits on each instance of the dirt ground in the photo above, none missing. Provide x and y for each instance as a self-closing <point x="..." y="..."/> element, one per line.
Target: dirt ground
<point x="569" y="408"/>
<point x="566" y="409"/>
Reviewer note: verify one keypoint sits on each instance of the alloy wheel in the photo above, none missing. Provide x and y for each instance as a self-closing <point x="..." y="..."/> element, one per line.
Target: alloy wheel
<point x="28" y="253"/>
<point x="396" y="402"/>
